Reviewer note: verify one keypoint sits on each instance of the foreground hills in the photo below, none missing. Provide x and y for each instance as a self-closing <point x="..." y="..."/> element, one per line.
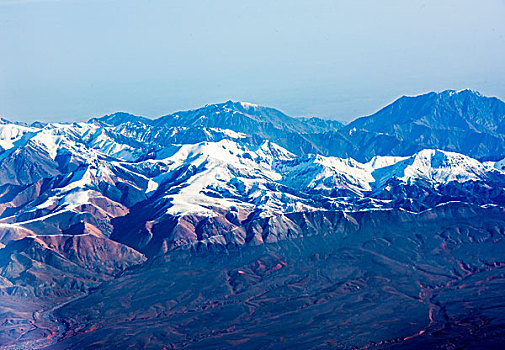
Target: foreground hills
<point x="231" y="197"/>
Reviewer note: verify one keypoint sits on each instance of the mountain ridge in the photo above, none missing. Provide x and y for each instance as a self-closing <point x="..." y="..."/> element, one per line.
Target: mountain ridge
<point x="463" y="121"/>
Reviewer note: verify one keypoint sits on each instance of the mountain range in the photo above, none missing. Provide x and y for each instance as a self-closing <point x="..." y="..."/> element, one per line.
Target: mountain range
<point x="102" y="223"/>
<point x="457" y="121"/>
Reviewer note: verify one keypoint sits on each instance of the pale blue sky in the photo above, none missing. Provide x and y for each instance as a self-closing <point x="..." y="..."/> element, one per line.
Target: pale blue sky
<point x="73" y="59"/>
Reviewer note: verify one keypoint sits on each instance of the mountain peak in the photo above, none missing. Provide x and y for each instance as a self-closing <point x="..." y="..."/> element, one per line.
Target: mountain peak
<point x="452" y="120"/>
<point x="120" y="118"/>
<point x="243" y="104"/>
<point x="225" y="114"/>
<point x="439" y="109"/>
<point x="459" y="93"/>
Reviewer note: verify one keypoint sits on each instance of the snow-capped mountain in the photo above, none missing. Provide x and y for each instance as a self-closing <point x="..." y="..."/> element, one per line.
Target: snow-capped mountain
<point x="81" y="202"/>
<point x="156" y="185"/>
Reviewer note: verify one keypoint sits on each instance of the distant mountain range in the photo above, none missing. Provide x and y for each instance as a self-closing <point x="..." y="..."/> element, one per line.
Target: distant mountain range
<point x="83" y="203"/>
<point x="458" y="121"/>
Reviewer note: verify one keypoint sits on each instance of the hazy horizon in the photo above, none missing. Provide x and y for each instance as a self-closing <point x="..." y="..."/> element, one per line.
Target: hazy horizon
<point x="224" y="101"/>
<point x="75" y="59"/>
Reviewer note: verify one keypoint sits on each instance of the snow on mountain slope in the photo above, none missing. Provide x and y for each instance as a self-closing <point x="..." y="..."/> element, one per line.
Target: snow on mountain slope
<point x="378" y="162"/>
<point x="61" y="178"/>
<point x="500" y="165"/>
<point x="232" y="170"/>
<point x="435" y="166"/>
<point x="60" y="205"/>
<point x="11" y="134"/>
<point x="328" y="175"/>
<point x="222" y="175"/>
<point x="340" y="177"/>
<point x="54" y="149"/>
